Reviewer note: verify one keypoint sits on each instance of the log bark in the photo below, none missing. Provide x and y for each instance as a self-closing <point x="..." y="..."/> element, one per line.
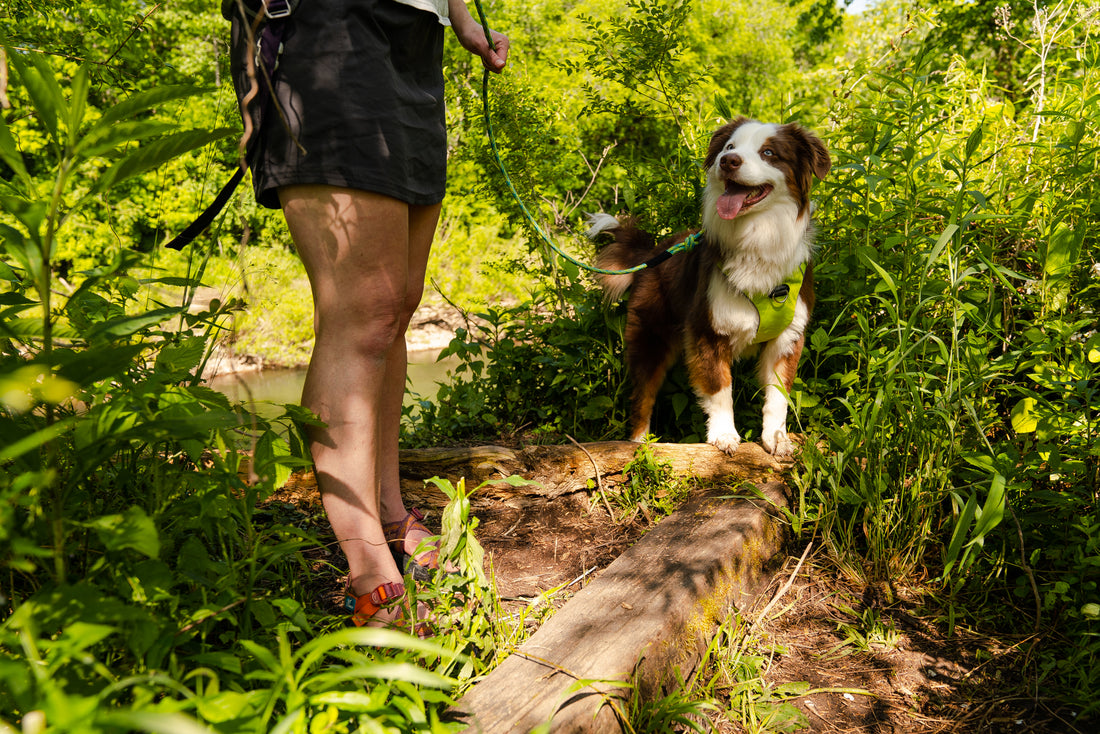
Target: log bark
<point x="562" y="469"/>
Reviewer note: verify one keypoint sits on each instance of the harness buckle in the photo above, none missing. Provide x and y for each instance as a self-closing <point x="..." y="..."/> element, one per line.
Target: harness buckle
<point x="275" y="9"/>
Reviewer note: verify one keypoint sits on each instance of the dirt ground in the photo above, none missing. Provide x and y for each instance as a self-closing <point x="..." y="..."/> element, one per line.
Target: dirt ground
<point x="875" y="660"/>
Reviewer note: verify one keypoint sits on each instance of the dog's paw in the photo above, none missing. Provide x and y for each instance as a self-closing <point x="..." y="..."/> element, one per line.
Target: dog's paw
<point x="778" y="444"/>
<point x="727" y="442"/>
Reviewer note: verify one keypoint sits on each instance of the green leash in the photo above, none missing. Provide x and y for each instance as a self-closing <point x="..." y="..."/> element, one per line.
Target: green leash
<point x="684" y="246"/>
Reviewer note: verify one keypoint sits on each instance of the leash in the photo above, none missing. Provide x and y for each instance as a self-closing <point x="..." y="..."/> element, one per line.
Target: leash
<point x="685" y="246"/>
<point x="269" y="46"/>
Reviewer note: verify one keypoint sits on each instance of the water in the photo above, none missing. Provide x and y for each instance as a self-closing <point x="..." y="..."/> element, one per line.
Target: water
<point x="264" y="390"/>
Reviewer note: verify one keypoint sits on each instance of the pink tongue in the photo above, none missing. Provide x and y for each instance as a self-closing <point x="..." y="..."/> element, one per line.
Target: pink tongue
<point x="729" y="205"/>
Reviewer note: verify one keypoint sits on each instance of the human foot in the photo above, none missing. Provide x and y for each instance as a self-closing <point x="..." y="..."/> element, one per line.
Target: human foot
<point x="404" y="537"/>
<point x="385" y="606"/>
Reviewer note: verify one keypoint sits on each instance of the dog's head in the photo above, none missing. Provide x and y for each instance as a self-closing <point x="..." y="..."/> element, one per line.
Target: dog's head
<point x="754" y="166"/>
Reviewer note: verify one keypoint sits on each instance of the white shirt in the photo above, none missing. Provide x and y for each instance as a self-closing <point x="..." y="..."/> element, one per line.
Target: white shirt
<point x="438" y="7"/>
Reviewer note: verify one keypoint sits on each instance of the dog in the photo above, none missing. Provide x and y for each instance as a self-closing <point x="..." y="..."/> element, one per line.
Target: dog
<point x="719" y="301"/>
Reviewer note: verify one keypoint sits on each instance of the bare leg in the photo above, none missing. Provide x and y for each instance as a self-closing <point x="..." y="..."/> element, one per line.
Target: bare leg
<point x="358" y="250"/>
<point x="422" y="224"/>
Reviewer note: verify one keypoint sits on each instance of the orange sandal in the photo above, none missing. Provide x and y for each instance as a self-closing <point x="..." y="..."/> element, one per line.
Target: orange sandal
<point x="385" y="597"/>
<point x="420" y="567"/>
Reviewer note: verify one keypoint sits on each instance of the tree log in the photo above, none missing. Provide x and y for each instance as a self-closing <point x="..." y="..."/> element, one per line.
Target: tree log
<point x="560" y="470"/>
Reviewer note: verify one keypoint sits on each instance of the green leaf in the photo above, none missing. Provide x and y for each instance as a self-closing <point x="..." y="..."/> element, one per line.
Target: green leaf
<point x="154" y="154"/>
<point x="132" y="530"/>
<point x="102" y="140"/>
<point x="77" y="103"/>
<point x="993" y="510"/>
<point x="1062" y="250"/>
<point x="125" y="326"/>
<point x="962" y="529"/>
<point x="39" y="438"/>
<point x="143" y="101"/>
<point x="888" y="279"/>
<point x="42" y="88"/>
<point x="153" y="722"/>
<point x="1024" y="419"/>
<point x="941" y="243"/>
<point x="10" y="155"/>
<point x="973" y="141"/>
<point x="182" y="357"/>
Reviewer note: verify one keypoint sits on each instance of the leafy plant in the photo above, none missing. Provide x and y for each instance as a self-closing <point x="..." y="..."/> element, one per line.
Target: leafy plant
<point x="147" y="589"/>
<point x="529" y="368"/>
<point x="650" y="489"/>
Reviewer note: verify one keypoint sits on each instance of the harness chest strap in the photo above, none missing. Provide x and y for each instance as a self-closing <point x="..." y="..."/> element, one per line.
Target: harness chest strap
<point x="777" y="309"/>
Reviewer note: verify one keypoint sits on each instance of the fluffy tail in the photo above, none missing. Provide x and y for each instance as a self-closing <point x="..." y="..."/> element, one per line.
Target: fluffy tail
<point x="631" y="247"/>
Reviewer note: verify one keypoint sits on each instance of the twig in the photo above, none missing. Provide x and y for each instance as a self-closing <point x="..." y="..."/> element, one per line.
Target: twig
<point x="5" y="103"/>
<point x="1027" y="568"/>
<point x="197" y="622"/>
<point x="134" y="29"/>
<point x="592" y="180"/>
<point x="786" y="586"/>
<point x="599" y="481"/>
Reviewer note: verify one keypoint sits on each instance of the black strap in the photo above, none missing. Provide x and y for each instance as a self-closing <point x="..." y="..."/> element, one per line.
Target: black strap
<point x="196" y="227"/>
<point x="270" y="46"/>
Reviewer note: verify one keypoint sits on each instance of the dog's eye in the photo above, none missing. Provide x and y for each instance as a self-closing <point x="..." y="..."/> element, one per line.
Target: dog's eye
<point x="767" y="152"/>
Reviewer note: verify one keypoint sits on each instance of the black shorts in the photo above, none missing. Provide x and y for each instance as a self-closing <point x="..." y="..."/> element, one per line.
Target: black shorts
<point x="360" y="85"/>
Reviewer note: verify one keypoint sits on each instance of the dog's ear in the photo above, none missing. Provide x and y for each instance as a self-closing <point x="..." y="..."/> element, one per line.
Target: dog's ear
<point x="815" y="151"/>
<point x="819" y="154"/>
<point x="719" y="138"/>
<point x="822" y="162"/>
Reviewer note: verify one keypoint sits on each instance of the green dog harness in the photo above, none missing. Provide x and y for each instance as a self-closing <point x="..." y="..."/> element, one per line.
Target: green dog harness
<point x="777" y="308"/>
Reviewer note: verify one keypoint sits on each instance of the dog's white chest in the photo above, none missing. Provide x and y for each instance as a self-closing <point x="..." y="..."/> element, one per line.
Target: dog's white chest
<point x="732" y="313"/>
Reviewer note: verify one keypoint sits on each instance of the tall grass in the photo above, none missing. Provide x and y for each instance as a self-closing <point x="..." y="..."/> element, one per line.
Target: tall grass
<point x="953" y="433"/>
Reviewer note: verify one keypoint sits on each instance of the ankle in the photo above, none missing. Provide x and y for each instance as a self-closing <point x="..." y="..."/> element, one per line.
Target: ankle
<point x="394" y="512"/>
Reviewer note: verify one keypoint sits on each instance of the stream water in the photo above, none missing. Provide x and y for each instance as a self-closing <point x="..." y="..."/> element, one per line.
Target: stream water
<point x="265" y="390"/>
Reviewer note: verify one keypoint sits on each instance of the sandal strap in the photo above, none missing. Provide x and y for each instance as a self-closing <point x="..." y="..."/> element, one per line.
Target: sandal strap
<point x="397" y="530"/>
<point x="364" y="607"/>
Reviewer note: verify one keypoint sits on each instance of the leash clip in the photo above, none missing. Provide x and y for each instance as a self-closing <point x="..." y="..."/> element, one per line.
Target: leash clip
<point x="781" y="292"/>
<point x="275" y="9"/>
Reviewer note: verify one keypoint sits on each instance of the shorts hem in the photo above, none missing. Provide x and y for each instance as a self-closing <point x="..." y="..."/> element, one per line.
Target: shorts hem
<point x="268" y="196"/>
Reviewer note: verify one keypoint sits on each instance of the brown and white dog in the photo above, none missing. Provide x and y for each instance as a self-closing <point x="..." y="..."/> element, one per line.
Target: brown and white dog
<point x="707" y="303"/>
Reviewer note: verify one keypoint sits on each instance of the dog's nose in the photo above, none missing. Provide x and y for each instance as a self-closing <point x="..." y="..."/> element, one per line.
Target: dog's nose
<point x="731" y="162"/>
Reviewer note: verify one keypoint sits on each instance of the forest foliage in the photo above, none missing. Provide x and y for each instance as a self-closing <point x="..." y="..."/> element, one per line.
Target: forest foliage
<point x="949" y="396"/>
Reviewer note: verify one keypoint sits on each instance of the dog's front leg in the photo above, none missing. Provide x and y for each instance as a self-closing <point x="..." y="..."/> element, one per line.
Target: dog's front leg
<point x="776" y="373"/>
<point x="708" y="360"/>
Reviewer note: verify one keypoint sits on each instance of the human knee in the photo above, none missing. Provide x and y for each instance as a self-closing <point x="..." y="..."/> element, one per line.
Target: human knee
<point x="368" y="329"/>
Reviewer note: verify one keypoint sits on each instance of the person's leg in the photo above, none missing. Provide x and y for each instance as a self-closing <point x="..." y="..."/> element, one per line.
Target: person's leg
<point x="422" y="225"/>
<point x="355" y="246"/>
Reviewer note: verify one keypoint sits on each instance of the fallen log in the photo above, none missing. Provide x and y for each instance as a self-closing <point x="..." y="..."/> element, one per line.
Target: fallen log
<point x="561" y="469"/>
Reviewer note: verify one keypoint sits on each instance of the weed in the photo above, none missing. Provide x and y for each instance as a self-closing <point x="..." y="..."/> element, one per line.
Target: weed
<point x="651" y="489"/>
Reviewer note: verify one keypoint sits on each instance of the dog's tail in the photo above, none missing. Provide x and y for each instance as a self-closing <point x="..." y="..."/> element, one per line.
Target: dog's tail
<point x="631" y="247"/>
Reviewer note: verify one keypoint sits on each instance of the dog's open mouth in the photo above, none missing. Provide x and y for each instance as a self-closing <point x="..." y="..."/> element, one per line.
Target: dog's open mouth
<point x="739" y="197"/>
